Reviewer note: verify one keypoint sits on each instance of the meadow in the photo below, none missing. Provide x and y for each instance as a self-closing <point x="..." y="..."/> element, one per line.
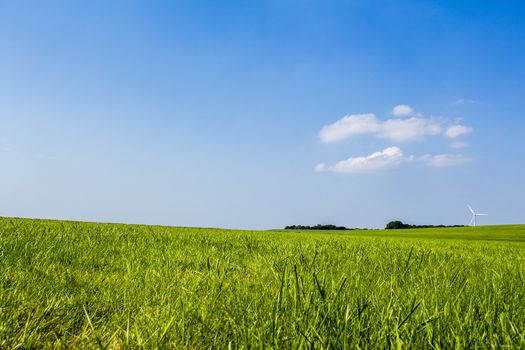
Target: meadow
<point x="90" y="285"/>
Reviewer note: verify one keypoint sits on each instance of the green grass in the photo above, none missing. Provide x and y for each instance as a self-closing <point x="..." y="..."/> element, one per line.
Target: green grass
<point x="515" y="233"/>
<point x="71" y="284"/>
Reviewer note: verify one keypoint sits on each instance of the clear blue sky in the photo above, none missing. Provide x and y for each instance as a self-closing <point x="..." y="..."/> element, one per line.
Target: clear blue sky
<point x="260" y="114"/>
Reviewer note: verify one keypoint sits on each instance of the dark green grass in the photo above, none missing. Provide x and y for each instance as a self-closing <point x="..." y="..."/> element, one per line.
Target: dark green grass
<point x="511" y="233"/>
<point x="69" y="285"/>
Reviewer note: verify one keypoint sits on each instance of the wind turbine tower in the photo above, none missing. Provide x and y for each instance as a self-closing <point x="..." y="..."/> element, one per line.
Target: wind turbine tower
<point x="474" y="216"/>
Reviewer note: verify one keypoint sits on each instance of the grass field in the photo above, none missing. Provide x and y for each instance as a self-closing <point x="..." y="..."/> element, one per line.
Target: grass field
<point x="71" y="284"/>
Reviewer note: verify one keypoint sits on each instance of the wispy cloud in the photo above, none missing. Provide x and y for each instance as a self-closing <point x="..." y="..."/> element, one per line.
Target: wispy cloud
<point x="350" y="125"/>
<point x="388" y="158"/>
<point x="459" y="144"/>
<point x="402" y="110"/>
<point x="458" y="130"/>
<point x="396" y="129"/>
<point x="444" y="160"/>
<point x="409" y="129"/>
<point x="462" y="101"/>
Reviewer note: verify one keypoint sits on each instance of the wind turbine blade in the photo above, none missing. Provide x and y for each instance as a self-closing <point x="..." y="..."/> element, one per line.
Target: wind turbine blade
<point x="471" y="210"/>
<point x="482" y="214"/>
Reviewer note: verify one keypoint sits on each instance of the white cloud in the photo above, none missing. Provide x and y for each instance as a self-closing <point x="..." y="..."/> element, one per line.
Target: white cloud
<point x="402" y="110"/>
<point x="393" y="129"/>
<point x="320" y="167"/>
<point x="388" y="158"/>
<point x="406" y="125"/>
<point x="444" y="160"/>
<point x="458" y="130"/>
<point x="462" y="101"/>
<point x="350" y="125"/>
<point x="459" y="144"/>
<point x="409" y="129"/>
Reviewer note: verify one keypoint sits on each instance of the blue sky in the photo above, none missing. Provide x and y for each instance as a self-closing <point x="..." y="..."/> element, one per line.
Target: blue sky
<point x="260" y="114"/>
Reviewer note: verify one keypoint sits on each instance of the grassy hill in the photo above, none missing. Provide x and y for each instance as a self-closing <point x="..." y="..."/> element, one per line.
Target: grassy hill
<point x="511" y="233"/>
<point x="71" y="284"/>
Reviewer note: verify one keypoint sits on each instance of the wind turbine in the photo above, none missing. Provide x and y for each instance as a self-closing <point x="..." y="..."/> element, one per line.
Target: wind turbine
<point x="474" y="215"/>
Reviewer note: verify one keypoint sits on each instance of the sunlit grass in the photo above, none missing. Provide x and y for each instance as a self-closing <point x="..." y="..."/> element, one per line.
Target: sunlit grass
<point x="67" y="284"/>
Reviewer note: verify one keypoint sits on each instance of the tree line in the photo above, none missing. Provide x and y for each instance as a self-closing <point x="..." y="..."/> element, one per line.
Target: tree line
<point x="317" y="227"/>
<point x="398" y="225"/>
<point x="392" y="225"/>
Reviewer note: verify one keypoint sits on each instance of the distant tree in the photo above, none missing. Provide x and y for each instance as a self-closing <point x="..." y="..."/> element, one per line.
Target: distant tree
<point x="316" y="227"/>
<point x="396" y="225"/>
